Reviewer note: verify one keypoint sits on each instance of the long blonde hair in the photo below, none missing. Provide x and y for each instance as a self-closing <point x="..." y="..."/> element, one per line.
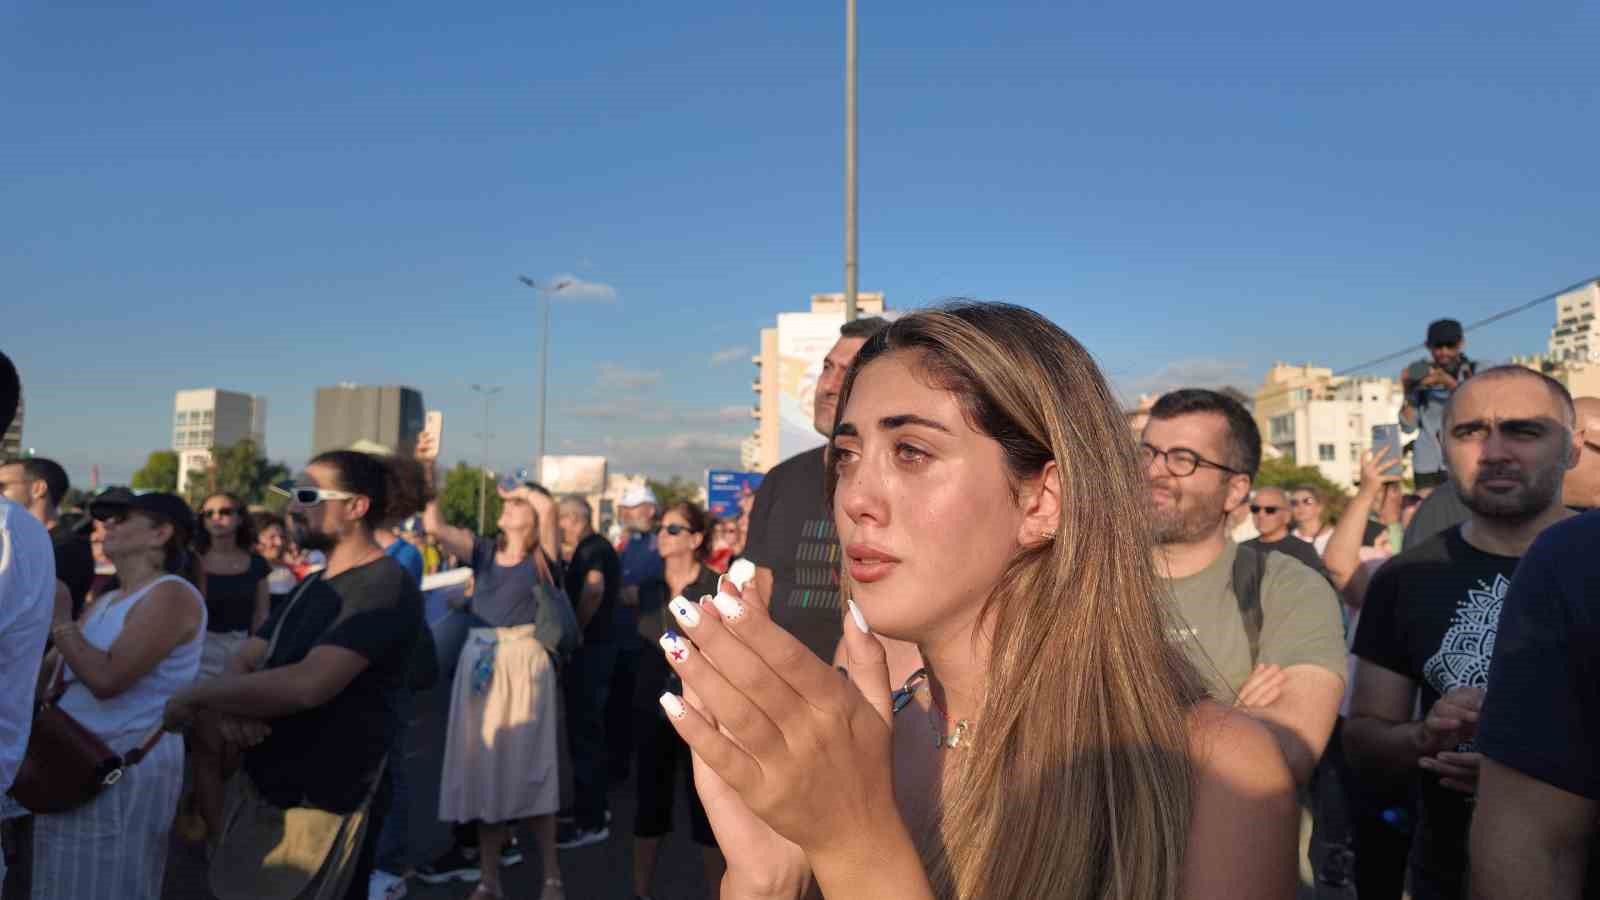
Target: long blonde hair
<point x="1077" y="784"/>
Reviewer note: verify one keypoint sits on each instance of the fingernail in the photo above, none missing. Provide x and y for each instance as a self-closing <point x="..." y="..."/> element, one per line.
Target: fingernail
<point x="861" y="621"/>
<point x="741" y="572"/>
<point x="729" y="606"/>
<point x="685" y="612"/>
<point x="677" y="649"/>
<point x="673" y="704"/>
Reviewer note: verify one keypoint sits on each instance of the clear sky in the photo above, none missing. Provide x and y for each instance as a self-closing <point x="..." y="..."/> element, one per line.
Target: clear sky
<point x="271" y="197"/>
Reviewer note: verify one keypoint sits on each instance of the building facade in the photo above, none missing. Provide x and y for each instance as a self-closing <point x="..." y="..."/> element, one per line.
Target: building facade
<point x="1312" y="417"/>
<point x="1575" y="337"/>
<point x="389" y="416"/>
<point x="789" y="365"/>
<point x="204" y="419"/>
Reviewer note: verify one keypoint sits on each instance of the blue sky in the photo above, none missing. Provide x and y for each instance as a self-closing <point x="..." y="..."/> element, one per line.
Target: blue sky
<point x="271" y="197"/>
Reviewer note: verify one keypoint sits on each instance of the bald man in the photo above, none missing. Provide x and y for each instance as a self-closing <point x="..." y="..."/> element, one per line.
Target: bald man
<point x="1580" y="490"/>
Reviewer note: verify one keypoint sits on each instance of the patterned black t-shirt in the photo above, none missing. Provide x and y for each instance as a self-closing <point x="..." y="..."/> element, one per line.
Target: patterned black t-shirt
<point x="1432" y="614"/>
<point x="792" y="533"/>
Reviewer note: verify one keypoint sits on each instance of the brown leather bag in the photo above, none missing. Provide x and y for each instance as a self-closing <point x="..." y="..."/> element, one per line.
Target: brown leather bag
<point x="67" y="765"/>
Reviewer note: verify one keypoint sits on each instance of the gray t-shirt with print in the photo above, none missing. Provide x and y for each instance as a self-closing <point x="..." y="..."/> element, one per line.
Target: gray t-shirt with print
<point x="1301" y="621"/>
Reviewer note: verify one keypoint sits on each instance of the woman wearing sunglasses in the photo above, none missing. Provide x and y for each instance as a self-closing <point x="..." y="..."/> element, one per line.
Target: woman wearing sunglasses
<point x="134" y="647"/>
<point x="661" y="756"/>
<point x="1056" y="744"/>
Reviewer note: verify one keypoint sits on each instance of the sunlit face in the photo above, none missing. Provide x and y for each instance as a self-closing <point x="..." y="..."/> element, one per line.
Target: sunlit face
<point x="677" y="546"/>
<point x="269" y="543"/>
<point x="572" y="525"/>
<point x="926" y="513"/>
<point x="220" y="516"/>
<point x="321" y="525"/>
<point x="1271" y="510"/>
<point x="130" y="534"/>
<point x="639" y="518"/>
<point x="1188" y="508"/>
<point x="1307" y="511"/>
<point x="1507" y="446"/>
<point x="14" y="482"/>
<point x="518" y="524"/>
<point x="831" y="382"/>
<point x="1445" y="355"/>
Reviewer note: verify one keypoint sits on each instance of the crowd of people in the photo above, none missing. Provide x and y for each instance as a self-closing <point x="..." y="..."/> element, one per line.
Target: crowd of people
<point x="981" y="643"/>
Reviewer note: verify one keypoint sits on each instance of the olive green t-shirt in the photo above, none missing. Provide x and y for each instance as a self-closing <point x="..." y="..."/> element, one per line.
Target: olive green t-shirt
<point x="1302" y="622"/>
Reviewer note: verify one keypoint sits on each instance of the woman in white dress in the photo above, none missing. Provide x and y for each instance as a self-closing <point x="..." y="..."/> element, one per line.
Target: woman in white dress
<point x="135" y="646"/>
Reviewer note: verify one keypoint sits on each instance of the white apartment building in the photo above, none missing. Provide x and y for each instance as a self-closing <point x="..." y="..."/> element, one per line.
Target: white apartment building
<point x="207" y="418"/>
<point x="1313" y="418"/>
<point x="1575" y="338"/>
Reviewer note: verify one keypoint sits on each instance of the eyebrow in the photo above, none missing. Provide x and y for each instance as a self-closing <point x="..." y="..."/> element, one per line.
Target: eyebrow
<point x="890" y="423"/>
<point x="1533" y="421"/>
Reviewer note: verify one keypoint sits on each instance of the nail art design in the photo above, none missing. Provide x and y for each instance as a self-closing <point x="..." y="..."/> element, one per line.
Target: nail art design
<point x="685" y="612"/>
<point x="677" y="649"/>
<point x="673" y="704"/>
<point x="729" y="606"/>
<point x="741" y="572"/>
<point x="861" y="621"/>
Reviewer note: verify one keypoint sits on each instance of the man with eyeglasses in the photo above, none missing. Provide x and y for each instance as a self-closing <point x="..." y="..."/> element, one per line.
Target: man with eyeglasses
<point x="39" y="485"/>
<point x="1280" y="654"/>
<point x="1270" y="507"/>
<point x="1431" y="616"/>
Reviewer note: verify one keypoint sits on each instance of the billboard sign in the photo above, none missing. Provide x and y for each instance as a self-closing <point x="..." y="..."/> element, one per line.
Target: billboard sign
<point x="726" y="489"/>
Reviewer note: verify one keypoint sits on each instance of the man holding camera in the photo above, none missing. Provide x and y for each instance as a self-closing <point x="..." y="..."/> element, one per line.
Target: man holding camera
<point x="1428" y="384"/>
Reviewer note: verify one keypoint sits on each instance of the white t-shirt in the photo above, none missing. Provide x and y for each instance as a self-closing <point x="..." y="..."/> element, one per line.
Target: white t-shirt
<point x="27" y="603"/>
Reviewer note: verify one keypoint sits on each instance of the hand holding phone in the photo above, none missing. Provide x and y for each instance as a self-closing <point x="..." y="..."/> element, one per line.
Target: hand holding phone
<point x="428" y="440"/>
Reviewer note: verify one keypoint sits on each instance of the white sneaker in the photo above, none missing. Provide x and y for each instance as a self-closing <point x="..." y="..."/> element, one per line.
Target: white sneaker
<point x="384" y="886"/>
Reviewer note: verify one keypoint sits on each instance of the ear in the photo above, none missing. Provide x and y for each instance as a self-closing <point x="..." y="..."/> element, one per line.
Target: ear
<point x="37" y="489"/>
<point x="1575" y="452"/>
<point x="1041" y="506"/>
<point x="1238" y="493"/>
<point x="360" y="504"/>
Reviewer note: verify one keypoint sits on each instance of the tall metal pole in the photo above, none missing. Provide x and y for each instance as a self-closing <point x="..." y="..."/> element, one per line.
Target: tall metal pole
<point x="850" y="160"/>
<point x="483" y="466"/>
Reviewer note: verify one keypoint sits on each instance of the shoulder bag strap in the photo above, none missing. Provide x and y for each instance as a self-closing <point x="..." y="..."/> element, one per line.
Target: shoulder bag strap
<point x="1249" y="570"/>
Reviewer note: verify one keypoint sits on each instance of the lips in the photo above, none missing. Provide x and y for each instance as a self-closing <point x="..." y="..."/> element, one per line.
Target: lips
<point x="868" y="563"/>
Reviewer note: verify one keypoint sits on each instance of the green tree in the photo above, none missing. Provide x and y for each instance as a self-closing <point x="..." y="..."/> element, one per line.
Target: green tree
<point x="160" y="473"/>
<point x="674" y="490"/>
<point x="239" y="469"/>
<point x="458" y="500"/>
<point x="1282" y="473"/>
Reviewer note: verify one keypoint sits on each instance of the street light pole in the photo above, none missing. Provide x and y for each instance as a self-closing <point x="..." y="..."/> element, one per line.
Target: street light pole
<point x="544" y="292"/>
<point x="483" y="466"/>
<point x="850" y="160"/>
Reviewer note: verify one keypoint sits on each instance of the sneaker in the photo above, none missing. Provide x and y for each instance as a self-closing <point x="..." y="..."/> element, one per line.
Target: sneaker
<point x="575" y="837"/>
<point x="511" y="853"/>
<point x="453" y="866"/>
<point x="385" y="886"/>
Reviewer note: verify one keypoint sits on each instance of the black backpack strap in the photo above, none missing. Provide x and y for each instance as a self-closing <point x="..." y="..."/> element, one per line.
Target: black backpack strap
<point x="1249" y="570"/>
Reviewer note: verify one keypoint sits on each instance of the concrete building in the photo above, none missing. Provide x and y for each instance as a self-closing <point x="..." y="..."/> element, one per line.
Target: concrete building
<point x="11" y="441"/>
<point x="1312" y="417"/>
<point x="390" y="416"/>
<point x="790" y="361"/>
<point x="204" y="419"/>
<point x="1575" y="337"/>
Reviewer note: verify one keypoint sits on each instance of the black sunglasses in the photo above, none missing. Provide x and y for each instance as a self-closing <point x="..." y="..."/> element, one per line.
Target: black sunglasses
<point x="675" y="529"/>
<point x="1269" y="510"/>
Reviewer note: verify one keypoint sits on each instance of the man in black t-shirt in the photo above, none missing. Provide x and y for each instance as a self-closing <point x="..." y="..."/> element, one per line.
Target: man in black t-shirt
<point x="1431" y="615"/>
<point x="1539" y="794"/>
<point x="594" y="583"/>
<point x="1270" y="508"/>
<point x="792" y="540"/>
<point x="39" y="484"/>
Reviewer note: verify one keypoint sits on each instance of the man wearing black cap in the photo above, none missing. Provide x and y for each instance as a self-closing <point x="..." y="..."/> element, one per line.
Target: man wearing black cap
<point x="1428" y="383"/>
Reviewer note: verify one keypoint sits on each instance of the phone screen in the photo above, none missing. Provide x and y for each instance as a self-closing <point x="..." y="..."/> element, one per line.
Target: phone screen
<point x="1386" y="437"/>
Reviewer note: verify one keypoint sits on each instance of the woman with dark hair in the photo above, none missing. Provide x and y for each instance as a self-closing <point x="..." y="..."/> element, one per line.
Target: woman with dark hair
<point x="134" y="647"/>
<point x="272" y="544"/>
<point x="662" y="756"/>
<point x="232" y="576"/>
<point x="307" y="697"/>
<point x="1056" y="743"/>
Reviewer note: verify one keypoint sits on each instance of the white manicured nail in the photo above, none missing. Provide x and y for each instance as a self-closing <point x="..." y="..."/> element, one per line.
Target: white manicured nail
<point x="673" y="704"/>
<point x="741" y="572"/>
<point x="729" y="606"/>
<point x="685" y="612"/>
<point x="676" y="648"/>
<point x="860" y="620"/>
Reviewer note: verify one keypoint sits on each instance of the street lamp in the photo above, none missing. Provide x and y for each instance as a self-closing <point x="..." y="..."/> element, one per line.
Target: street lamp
<point x="544" y="291"/>
<point x="483" y="469"/>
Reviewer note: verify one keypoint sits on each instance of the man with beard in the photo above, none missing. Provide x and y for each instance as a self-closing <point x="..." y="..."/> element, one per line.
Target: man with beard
<point x="1431" y="616"/>
<point x="1277" y="649"/>
<point x="307" y="699"/>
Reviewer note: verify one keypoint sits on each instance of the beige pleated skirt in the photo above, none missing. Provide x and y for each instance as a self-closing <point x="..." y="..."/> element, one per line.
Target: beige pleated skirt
<point x="501" y="755"/>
